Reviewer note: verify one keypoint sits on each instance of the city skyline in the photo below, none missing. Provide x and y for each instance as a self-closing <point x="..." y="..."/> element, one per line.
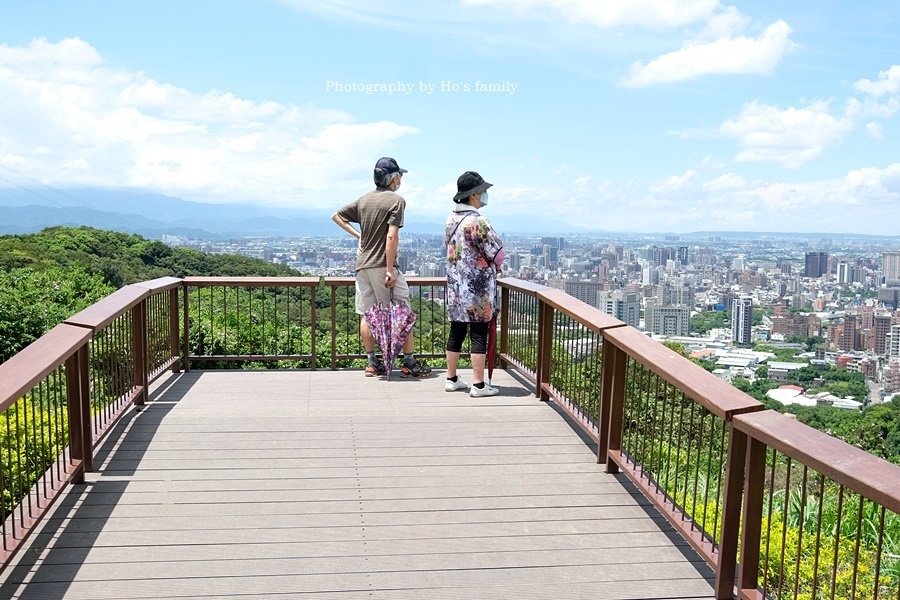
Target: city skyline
<point x="651" y="117"/>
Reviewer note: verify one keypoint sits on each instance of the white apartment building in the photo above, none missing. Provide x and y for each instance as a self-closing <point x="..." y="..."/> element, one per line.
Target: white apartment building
<point x="742" y="320"/>
<point x="625" y="306"/>
<point x="667" y="320"/>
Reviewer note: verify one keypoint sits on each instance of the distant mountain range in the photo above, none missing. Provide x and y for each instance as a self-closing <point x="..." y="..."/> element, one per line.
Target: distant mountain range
<point x="151" y="215"/>
<point x="28" y="210"/>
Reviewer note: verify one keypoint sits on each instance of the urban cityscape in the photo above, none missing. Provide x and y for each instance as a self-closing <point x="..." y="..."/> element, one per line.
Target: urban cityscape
<point x="822" y="302"/>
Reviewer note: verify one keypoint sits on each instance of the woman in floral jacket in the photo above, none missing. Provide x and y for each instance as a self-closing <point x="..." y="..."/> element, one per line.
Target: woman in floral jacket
<point x="474" y="256"/>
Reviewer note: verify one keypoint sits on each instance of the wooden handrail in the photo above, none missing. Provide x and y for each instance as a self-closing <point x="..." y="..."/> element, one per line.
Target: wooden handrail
<point x="251" y="281"/>
<point x="29" y="366"/>
<point x="410" y="281"/>
<point x="520" y="285"/>
<point x="593" y="318"/>
<point x="339" y="281"/>
<point x="100" y="314"/>
<point x="864" y="473"/>
<point x="717" y="396"/>
<point x="161" y="284"/>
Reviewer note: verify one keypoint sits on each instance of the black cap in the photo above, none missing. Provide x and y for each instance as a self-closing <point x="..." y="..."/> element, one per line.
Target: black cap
<point x="470" y="183"/>
<point x="388" y="165"/>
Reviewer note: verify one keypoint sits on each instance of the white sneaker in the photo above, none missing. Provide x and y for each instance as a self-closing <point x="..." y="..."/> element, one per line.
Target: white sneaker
<point x="484" y="392"/>
<point x="455" y="386"/>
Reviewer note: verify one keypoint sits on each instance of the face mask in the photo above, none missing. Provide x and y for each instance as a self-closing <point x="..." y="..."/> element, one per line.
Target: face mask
<point x="484" y="198"/>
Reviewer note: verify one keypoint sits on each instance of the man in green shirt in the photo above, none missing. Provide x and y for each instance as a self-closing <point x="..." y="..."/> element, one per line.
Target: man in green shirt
<point x="379" y="214"/>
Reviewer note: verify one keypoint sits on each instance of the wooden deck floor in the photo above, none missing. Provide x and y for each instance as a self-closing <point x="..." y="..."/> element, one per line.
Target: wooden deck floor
<point x="330" y="485"/>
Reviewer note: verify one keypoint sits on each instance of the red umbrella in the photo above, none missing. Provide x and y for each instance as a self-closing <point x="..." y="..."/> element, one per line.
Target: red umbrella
<point x="491" y="357"/>
<point x="390" y="325"/>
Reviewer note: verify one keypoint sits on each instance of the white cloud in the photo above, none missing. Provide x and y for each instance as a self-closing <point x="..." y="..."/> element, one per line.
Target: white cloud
<point x="675" y="182"/>
<point x="876" y="183"/>
<point x="727" y="23"/>
<point x="789" y="136"/>
<point x="793" y="136"/>
<point x="881" y="97"/>
<point x="726" y="182"/>
<point x="888" y="82"/>
<point x="733" y="55"/>
<point x="712" y="163"/>
<point x="718" y="41"/>
<point x="874" y="131"/>
<point x="67" y="118"/>
<point x="868" y="198"/>
<point x="644" y="13"/>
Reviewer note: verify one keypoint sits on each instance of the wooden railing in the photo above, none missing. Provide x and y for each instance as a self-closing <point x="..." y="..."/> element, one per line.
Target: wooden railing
<point x="778" y="509"/>
<point x="62" y="394"/>
<point x="426" y="297"/>
<point x="798" y="515"/>
<point x="249" y="319"/>
<point x="820" y="518"/>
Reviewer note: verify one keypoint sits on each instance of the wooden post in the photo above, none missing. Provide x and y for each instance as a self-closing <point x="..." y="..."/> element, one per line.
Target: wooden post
<point x="78" y="445"/>
<point x="731" y="515"/>
<point x="503" y="325"/>
<point x="608" y="368"/>
<point x="616" y="409"/>
<point x="545" y="348"/>
<point x="139" y="350"/>
<point x="173" y="328"/>
<point x="313" y="292"/>
<point x="333" y="328"/>
<point x="187" y="329"/>
<point x="751" y="527"/>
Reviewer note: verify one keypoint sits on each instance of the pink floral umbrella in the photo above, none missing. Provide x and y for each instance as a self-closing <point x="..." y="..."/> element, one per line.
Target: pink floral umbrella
<point x="390" y="324"/>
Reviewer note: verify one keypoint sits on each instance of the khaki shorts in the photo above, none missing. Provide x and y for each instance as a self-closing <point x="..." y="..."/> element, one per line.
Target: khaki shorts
<point x="370" y="289"/>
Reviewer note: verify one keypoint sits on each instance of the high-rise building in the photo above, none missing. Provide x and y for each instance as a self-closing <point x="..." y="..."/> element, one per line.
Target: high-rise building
<point x="551" y="256"/>
<point x="867" y="317"/>
<point x="813" y="326"/>
<point x="893" y="343"/>
<point x="650" y="275"/>
<point x="683" y="255"/>
<point x="586" y="291"/>
<point x="556" y="242"/>
<point x="741" y="319"/>
<point x="835" y="335"/>
<point x="890" y="267"/>
<point x="816" y="264"/>
<point x="785" y="266"/>
<point x="662" y="255"/>
<point x="668" y="320"/>
<point x="843" y="272"/>
<point x="882" y="328"/>
<point x="866" y="340"/>
<point x="675" y="294"/>
<point x="850" y="337"/>
<point x="889" y="296"/>
<point x="625" y="306"/>
<point x="892" y="377"/>
<point x="792" y="324"/>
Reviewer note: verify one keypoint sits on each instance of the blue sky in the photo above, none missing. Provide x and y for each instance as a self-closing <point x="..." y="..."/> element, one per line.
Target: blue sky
<point x="629" y="116"/>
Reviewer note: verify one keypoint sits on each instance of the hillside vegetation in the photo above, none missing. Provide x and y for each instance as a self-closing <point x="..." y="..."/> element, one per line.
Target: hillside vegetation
<point x="48" y="276"/>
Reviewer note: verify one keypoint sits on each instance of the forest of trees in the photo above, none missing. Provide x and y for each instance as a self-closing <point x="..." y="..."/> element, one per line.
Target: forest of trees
<point x="48" y="276"/>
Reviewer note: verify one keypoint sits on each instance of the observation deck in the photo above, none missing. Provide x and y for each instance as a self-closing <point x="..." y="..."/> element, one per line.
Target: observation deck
<point x="608" y="467"/>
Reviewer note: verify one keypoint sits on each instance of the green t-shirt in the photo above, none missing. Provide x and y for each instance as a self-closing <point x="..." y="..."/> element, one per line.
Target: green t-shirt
<point x="374" y="212"/>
